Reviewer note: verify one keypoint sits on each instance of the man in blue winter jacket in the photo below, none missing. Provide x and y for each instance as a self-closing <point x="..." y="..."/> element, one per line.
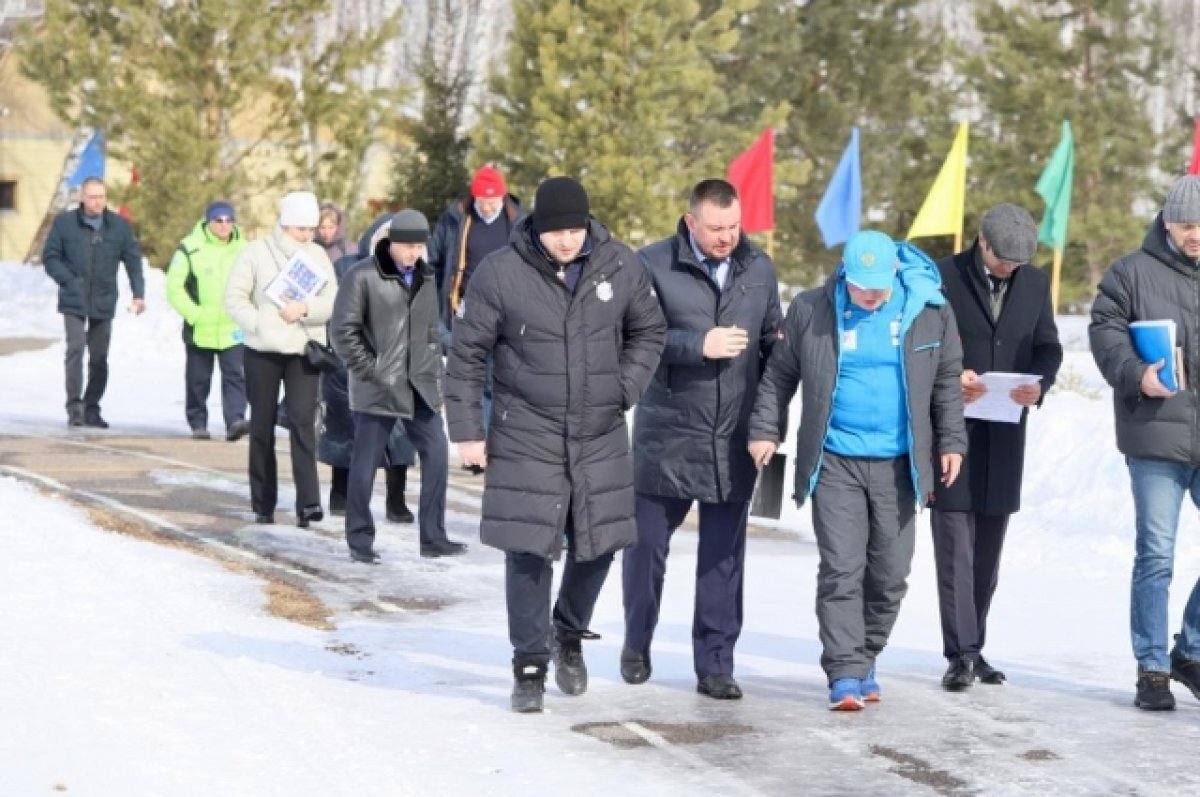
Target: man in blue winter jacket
<point x="877" y="356"/>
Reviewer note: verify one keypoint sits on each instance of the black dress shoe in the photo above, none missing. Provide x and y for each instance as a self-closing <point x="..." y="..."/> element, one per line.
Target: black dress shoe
<point x="988" y="674"/>
<point x="401" y="514"/>
<point x="959" y="675"/>
<point x="432" y="550"/>
<point x="237" y="430"/>
<point x="75" y="417"/>
<point x="201" y="434"/>
<point x="309" y="514"/>
<point x="719" y="687"/>
<point x="635" y="667"/>
<point x="364" y="557"/>
<point x="265" y="518"/>
<point x="95" y="421"/>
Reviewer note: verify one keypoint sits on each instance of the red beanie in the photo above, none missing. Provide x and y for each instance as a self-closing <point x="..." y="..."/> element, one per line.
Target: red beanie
<point x="488" y="182"/>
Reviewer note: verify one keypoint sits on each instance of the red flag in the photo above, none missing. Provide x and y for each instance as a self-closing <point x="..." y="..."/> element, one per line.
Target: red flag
<point x="123" y="211"/>
<point x="752" y="173"/>
<point x="1194" y="166"/>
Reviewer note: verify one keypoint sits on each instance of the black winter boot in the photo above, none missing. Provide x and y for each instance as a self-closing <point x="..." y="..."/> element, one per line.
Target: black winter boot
<point x="397" y="510"/>
<point x="1154" y="691"/>
<point x="529" y="686"/>
<point x="570" y="671"/>
<point x="337" y="492"/>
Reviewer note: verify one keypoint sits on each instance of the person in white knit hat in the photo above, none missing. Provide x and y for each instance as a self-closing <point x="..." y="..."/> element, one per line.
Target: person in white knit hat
<point x="276" y="337"/>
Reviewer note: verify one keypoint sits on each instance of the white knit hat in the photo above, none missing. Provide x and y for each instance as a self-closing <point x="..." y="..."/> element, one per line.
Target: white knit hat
<point x="299" y="209"/>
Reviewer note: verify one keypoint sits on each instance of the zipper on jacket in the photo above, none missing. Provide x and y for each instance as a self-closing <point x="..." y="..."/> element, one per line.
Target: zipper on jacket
<point x="1191" y="386"/>
<point x="717" y="414"/>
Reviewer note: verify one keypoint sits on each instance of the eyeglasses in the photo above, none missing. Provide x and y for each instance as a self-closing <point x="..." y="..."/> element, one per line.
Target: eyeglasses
<point x="222" y="220"/>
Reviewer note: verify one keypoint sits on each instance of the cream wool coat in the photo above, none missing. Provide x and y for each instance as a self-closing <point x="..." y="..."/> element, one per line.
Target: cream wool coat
<point x="257" y="315"/>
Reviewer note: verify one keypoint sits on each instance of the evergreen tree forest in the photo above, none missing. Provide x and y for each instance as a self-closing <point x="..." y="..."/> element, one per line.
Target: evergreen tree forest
<point x="639" y="99"/>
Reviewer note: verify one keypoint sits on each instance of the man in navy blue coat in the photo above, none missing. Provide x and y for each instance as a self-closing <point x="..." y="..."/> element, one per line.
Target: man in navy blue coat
<point x="721" y="300"/>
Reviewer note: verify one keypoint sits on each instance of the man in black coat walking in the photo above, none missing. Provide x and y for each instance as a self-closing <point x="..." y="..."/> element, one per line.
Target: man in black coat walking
<point x="385" y="329"/>
<point x="569" y="317"/>
<point x="721" y="301"/>
<point x="81" y="255"/>
<point x="1006" y="323"/>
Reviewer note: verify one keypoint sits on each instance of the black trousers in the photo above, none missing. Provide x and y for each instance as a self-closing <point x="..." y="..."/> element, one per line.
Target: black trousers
<point x="94" y="334"/>
<point x="720" y="561"/>
<point x="198" y="372"/>
<point x="265" y="372"/>
<point x="528" y="579"/>
<point x="966" y="549"/>
<point x="371" y="435"/>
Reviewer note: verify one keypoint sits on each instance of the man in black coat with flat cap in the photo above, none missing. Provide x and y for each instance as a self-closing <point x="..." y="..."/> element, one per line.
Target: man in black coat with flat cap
<point x="1006" y="322"/>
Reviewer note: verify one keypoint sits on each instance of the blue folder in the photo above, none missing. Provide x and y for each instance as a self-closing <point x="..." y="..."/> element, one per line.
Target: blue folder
<point x="1154" y="341"/>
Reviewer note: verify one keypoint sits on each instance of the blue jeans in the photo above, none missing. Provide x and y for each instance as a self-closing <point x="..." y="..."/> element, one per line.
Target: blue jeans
<point x="1158" y="490"/>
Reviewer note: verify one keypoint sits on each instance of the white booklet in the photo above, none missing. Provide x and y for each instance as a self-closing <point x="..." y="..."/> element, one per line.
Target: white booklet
<point x="996" y="404"/>
<point x="296" y="282"/>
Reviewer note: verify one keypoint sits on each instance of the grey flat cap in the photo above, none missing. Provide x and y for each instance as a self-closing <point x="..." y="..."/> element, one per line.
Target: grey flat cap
<point x="1010" y="232"/>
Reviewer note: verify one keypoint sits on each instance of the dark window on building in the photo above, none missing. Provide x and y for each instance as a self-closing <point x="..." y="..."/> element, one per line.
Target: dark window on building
<point x="8" y="195"/>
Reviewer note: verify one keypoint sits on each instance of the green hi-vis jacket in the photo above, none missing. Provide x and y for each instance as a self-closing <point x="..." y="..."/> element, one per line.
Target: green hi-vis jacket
<point x="196" y="287"/>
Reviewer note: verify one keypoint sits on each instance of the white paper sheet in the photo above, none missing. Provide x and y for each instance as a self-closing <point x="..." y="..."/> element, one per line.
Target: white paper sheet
<point x="996" y="404"/>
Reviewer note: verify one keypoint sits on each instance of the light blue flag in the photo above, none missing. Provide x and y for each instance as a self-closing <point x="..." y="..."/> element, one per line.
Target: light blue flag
<point x="840" y="212"/>
<point x="91" y="161"/>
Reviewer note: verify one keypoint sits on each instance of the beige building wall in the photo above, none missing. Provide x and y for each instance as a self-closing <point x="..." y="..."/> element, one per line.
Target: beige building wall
<point x="33" y="147"/>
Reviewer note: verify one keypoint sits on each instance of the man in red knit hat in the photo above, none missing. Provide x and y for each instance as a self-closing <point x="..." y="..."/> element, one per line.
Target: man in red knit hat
<point x="472" y="228"/>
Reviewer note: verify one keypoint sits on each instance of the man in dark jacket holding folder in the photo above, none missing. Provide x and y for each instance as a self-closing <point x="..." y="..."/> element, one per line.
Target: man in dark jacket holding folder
<point x="1158" y="430"/>
<point x="1002" y="305"/>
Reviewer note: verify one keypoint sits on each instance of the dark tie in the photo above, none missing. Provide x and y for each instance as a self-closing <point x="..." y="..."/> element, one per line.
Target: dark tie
<point x="997" y="294"/>
<point x="406" y="274"/>
<point x="713" y="264"/>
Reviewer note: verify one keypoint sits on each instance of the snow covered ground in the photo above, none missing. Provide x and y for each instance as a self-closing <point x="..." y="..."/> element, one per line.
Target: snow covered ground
<point x="127" y="668"/>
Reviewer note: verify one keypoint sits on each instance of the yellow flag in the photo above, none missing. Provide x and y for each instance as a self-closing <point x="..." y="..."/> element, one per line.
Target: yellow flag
<point x="942" y="213"/>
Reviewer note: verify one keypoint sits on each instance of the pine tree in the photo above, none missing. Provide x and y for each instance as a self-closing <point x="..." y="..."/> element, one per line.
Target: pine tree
<point x="1093" y="62"/>
<point x="188" y="92"/>
<point x="837" y="64"/>
<point x="620" y="94"/>
<point x="435" y="168"/>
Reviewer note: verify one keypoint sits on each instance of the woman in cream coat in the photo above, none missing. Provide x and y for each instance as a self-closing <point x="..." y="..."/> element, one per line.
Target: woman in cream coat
<point x="275" y="341"/>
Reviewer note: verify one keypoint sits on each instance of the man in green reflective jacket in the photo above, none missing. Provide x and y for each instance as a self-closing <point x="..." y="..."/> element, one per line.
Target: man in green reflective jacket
<point x="196" y="289"/>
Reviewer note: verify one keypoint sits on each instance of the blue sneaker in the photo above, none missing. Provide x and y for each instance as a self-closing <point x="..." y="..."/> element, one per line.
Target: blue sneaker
<point x="845" y="694"/>
<point x="871" y="691"/>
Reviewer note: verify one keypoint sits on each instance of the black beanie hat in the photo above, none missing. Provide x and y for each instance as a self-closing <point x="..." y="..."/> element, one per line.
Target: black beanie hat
<point x="560" y="204"/>
<point x="409" y="227"/>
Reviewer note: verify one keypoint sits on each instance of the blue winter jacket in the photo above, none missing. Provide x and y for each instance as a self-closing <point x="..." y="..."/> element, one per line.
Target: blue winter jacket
<point x="809" y="357"/>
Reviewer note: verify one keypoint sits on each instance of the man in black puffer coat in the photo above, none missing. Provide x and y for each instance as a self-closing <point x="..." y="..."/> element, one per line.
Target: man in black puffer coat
<point x="568" y="314"/>
<point x="721" y="301"/>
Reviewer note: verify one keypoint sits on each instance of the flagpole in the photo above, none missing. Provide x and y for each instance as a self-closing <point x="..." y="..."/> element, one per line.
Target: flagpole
<point x="1055" y="279"/>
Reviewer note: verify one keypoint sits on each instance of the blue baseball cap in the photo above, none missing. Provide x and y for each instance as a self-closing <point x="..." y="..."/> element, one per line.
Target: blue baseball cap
<point x="869" y="261"/>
